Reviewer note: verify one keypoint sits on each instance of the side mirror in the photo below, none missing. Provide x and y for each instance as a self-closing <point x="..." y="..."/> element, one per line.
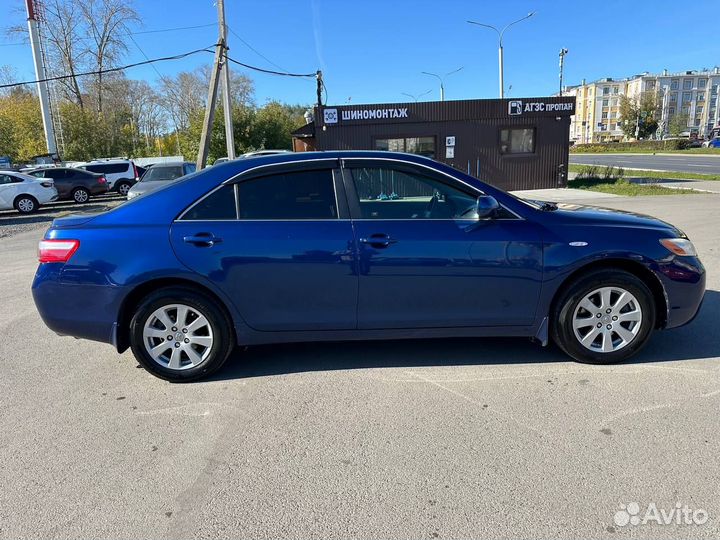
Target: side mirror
<point x="486" y="206"/>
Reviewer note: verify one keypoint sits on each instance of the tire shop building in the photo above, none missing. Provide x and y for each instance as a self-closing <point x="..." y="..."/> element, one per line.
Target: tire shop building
<point x="514" y="144"/>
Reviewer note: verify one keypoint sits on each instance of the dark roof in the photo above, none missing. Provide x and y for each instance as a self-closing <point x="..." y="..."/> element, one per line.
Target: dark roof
<point x="308" y="130"/>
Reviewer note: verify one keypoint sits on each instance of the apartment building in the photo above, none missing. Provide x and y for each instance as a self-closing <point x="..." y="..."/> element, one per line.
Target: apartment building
<point x="694" y="93"/>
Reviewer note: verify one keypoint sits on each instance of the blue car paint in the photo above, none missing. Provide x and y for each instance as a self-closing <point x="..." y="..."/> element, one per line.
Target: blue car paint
<point x="287" y="281"/>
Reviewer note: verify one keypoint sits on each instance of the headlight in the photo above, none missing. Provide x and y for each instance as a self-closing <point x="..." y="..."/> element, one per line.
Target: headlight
<point x="679" y="246"/>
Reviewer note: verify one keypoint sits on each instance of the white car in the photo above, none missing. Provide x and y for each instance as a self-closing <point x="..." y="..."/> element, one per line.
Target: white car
<point x="121" y="174"/>
<point x="25" y="193"/>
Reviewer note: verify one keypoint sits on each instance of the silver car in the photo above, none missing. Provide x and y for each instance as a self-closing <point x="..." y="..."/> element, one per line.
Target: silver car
<point x="160" y="175"/>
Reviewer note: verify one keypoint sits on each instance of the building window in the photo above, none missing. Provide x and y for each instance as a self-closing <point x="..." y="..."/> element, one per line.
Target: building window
<point x="699" y="109"/>
<point x="673" y="97"/>
<point x="687" y="84"/>
<point x="616" y="90"/>
<point x="424" y="146"/>
<point x="650" y="85"/>
<point x="701" y="97"/>
<point x="674" y="84"/>
<point x="702" y="83"/>
<point x="604" y="115"/>
<point x="613" y="127"/>
<point x="605" y="102"/>
<point x="517" y="141"/>
<point x="714" y="88"/>
<point x="671" y="111"/>
<point x="606" y="90"/>
<point x="686" y="96"/>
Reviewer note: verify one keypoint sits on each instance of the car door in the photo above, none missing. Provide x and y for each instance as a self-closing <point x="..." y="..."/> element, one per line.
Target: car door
<point x="62" y="183"/>
<point x="424" y="264"/>
<point x="8" y="191"/>
<point x="283" y="252"/>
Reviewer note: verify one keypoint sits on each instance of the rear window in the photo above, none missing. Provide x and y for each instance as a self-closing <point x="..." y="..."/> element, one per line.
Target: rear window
<point x="107" y="168"/>
<point x="160" y="173"/>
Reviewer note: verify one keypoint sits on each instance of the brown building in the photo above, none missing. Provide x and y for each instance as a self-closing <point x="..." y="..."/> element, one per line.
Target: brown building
<point x="511" y="143"/>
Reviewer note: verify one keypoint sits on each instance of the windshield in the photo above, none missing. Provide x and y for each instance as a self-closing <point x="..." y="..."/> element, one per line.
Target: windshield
<point x="162" y="173"/>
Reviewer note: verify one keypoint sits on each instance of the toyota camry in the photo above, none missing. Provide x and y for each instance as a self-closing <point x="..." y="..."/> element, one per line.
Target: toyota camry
<point x="357" y="245"/>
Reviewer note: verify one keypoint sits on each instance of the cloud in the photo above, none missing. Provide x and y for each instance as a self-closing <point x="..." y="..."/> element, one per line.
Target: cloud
<point x="317" y="34"/>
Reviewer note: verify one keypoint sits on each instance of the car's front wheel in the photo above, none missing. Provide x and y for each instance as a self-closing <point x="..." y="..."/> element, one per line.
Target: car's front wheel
<point x="604" y="317"/>
<point x="179" y="335"/>
<point x="80" y="195"/>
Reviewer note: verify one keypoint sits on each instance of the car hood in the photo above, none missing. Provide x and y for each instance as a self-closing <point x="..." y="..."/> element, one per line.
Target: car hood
<point x="595" y="215"/>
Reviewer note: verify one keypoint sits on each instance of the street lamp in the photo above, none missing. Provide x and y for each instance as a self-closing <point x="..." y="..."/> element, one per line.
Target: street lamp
<point x="500" y="34"/>
<point x="442" y="80"/>
<point x="414" y="97"/>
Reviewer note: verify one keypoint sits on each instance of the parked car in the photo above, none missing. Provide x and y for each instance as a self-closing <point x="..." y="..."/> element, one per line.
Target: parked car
<point x="24" y="193"/>
<point x="160" y="175"/>
<point x="712" y="143"/>
<point x="121" y="174"/>
<point x="301" y="247"/>
<point x="73" y="184"/>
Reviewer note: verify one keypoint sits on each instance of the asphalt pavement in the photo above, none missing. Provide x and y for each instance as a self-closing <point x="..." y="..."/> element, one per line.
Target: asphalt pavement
<point x="696" y="163"/>
<point x="483" y="438"/>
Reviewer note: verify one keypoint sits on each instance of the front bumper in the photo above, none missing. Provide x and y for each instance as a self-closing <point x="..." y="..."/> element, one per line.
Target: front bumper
<point x="683" y="279"/>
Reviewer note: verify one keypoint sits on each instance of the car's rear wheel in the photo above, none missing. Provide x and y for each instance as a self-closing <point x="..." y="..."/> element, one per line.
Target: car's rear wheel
<point x="26" y="204"/>
<point x="123" y="188"/>
<point x="80" y="195"/>
<point x="179" y="335"/>
<point x="604" y="317"/>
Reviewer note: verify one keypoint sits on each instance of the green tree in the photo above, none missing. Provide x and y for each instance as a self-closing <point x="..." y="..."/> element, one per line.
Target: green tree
<point x="638" y="116"/>
<point x="21" y="128"/>
<point x="678" y="123"/>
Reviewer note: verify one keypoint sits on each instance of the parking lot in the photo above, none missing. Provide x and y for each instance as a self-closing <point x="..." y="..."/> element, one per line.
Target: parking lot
<point x="492" y="438"/>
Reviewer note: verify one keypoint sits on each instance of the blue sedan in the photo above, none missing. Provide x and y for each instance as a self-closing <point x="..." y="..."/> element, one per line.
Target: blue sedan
<point x="357" y="245"/>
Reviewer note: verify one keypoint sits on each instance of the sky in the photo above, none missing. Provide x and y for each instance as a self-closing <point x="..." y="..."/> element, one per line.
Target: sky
<point x="374" y="51"/>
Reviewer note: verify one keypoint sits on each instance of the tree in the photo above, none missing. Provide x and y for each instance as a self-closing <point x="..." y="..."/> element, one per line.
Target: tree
<point x="638" y="116"/>
<point x="21" y="127"/>
<point x="678" y="123"/>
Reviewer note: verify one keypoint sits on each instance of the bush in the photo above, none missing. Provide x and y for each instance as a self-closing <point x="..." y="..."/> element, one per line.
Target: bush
<point x="659" y="146"/>
<point x="607" y="173"/>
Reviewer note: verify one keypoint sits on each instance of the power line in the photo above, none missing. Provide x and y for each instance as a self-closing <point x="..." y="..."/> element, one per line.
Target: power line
<point x="109" y="70"/>
<point x="253" y="49"/>
<point x="16" y="44"/>
<point x="269" y="71"/>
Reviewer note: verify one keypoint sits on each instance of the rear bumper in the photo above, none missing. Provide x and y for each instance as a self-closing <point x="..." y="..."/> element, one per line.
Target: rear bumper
<point x="683" y="279"/>
<point x="72" y="309"/>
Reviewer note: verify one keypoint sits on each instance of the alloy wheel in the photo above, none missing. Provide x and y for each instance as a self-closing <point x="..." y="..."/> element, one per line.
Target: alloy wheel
<point x="26" y="205"/>
<point x="607" y="319"/>
<point x="123" y="189"/>
<point x="81" y="196"/>
<point x="178" y="336"/>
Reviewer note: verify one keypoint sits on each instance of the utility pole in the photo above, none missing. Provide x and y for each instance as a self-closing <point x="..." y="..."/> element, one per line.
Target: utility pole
<point x="319" y="80"/>
<point x="563" y="52"/>
<point x="227" y="103"/>
<point x="40" y="75"/>
<point x="220" y="54"/>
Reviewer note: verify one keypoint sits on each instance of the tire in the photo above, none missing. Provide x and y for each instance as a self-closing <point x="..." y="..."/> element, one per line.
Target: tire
<point x="123" y="188"/>
<point x="26" y="204"/>
<point x="80" y="195"/>
<point x="181" y="360"/>
<point x="622" y="331"/>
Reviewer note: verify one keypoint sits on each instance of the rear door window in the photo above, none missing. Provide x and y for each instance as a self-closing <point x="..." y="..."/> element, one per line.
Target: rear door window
<point x="288" y="196"/>
<point x="160" y="174"/>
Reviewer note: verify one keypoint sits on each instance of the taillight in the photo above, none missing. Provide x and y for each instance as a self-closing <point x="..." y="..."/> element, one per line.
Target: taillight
<point x="135" y="171"/>
<point x="102" y="180"/>
<point x="47" y="184"/>
<point x="50" y="251"/>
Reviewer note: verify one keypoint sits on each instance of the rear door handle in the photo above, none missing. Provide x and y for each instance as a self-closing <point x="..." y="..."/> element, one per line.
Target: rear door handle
<point x="378" y="240"/>
<point x="202" y="239"/>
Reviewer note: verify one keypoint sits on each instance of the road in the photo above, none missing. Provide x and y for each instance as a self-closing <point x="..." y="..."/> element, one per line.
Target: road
<point x="695" y="163"/>
<point x="491" y="438"/>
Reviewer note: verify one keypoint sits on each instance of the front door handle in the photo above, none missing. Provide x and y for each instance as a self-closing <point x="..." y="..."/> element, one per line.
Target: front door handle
<point x="202" y="239"/>
<point x="378" y="240"/>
